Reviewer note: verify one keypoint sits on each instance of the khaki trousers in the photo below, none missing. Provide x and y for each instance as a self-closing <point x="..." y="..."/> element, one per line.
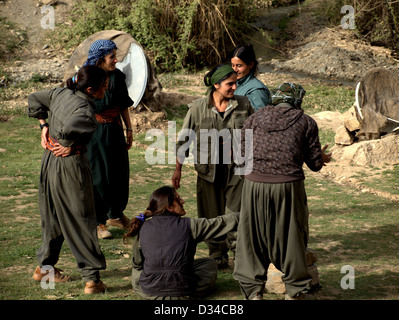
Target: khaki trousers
<point x="67" y="213"/>
<point x="273" y="227"/>
<point x="217" y="198"/>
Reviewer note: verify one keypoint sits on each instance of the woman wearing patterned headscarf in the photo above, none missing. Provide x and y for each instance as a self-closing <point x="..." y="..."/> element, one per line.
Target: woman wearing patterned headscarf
<point x="108" y="149"/>
<point x="216" y="115"/>
<point x="273" y="223"/>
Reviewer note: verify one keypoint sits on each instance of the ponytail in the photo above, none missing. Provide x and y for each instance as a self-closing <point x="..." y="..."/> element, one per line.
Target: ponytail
<point x="70" y="84"/>
<point x="87" y="76"/>
<point x="160" y="200"/>
<point x="135" y="225"/>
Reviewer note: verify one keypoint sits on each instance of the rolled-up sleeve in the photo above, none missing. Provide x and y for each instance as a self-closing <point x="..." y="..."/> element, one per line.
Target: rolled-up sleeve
<point x="39" y="104"/>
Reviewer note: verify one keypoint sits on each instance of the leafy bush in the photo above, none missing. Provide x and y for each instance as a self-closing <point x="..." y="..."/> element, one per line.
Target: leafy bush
<point x="176" y="34"/>
<point x="377" y="21"/>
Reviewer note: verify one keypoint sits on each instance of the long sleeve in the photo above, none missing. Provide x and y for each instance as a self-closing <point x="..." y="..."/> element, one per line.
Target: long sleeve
<point x="185" y="135"/>
<point x="39" y="104"/>
<point x="313" y="157"/>
<point x="203" y="229"/>
<point x="137" y="255"/>
<point x="78" y="127"/>
<point x="248" y="125"/>
<point x="259" y="98"/>
<point x="70" y="115"/>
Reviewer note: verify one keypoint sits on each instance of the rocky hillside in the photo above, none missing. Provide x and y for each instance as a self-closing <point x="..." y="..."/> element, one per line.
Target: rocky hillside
<point x="328" y="52"/>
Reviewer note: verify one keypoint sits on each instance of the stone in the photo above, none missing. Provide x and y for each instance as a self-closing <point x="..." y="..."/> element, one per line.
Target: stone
<point x="314" y="273"/>
<point x="371" y="152"/>
<point x="343" y="136"/>
<point x="350" y="121"/>
<point x="275" y="284"/>
<point x="328" y="119"/>
<point x="310" y="257"/>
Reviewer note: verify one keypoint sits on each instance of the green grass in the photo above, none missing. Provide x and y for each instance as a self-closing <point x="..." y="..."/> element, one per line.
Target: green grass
<point x="321" y="97"/>
<point x="347" y="226"/>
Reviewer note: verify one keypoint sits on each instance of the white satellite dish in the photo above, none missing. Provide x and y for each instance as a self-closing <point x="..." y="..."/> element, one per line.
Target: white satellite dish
<point x="134" y="66"/>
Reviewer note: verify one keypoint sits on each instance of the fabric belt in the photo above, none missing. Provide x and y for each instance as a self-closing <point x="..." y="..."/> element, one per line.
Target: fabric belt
<point x="76" y="150"/>
<point x="109" y="116"/>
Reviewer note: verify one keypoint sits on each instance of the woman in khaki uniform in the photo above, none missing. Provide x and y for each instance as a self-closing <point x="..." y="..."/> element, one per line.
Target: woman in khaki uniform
<point x="218" y="184"/>
<point x="66" y="200"/>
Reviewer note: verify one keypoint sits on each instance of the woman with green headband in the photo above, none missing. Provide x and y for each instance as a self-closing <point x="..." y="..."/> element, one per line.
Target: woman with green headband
<point x="215" y="116"/>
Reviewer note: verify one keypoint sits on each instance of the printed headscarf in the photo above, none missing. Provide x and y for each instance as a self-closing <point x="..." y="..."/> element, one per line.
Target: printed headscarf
<point x="219" y="74"/>
<point x="289" y="92"/>
<point x="99" y="49"/>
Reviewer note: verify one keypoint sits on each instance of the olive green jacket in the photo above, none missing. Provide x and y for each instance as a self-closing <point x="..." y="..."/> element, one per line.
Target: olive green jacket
<point x="70" y="115"/>
<point x="200" y="119"/>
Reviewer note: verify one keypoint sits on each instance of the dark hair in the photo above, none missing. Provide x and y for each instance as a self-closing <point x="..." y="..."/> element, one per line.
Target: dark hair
<point x="99" y="61"/>
<point x="246" y="53"/>
<point x="87" y="76"/>
<point x="160" y="200"/>
<point x="208" y="76"/>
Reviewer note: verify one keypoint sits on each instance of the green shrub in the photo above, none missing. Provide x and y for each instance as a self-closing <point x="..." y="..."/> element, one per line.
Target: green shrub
<point x="376" y="21"/>
<point x="176" y="34"/>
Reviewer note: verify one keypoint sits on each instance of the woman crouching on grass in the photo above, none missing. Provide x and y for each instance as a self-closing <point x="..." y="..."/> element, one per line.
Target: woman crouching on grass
<point x="163" y="254"/>
<point x="66" y="199"/>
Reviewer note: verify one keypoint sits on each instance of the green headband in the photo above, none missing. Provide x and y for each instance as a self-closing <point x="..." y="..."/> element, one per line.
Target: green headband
<point x="220" y="73"/>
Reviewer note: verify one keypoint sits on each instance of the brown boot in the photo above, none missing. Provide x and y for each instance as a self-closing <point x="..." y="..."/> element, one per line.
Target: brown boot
<point x="58" y="277"/>
<point x="92" y="287"/>
<point x="103" y="232"/>
<point x="123" y="222"/>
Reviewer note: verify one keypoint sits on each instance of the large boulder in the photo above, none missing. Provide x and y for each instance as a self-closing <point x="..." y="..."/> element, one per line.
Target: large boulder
<point x="370" y="152"/>
<point x="377" y="100"/>
<point x="345" y="133"/>
<point x="368" y="134"/>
